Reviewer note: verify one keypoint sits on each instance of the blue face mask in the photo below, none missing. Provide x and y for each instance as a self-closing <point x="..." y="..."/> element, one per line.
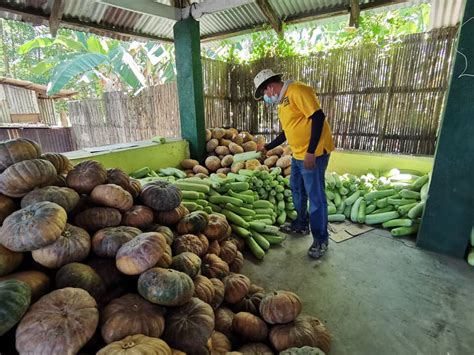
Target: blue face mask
<point x="270" y="100"/>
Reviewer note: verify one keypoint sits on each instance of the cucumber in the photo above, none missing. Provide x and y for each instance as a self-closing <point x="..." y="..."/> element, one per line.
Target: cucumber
<point x="241" y="232"/>
<point x="383" y="210"/>
<point x="261" y="241"/>
<point x="198" y="181"/>
<point x="408" y="194"/>
<point x="226" y="199"/>
<point x="241" y="211"/>
<point x="403" y="210"/>
<point x="400" y="201"/>
<point x="191" y="206"/>
<point x="402" y="222"/>
<point x="279" y="196"/>
<point x="352" y="198"/>
<point x="381" y="217"/>
<point x="202" y="203"/>
<point x="361" y="213"/>
<point x="214" y="207"/>
<point x="256" y="250"/>
<point x="190" y="195"/>
<point x="370" y="209"/>
<point x="355" y="209"/>
<point x="382" y="203"/>
<point x="375" y="195"/>
<point x="268" y="211"/>
<point x="339" y="217"/>
<point x="291" y="214"/>
<point x="262" y="216"/>
<point x="208" y="209"/>
<point x="281" y="218"/>
<point x="418" y="184"/>
<point x="262" y="204"/>
<point x="235" y="218"/>
<point x="417" y="210"/>
<point x="238" y="186"/>
<point x="191" y="186"/>
<point x="244" y="198"/>
<point x="401" y="231"/>
<point x="274" y="239"/>
<point x="337" y="199"/>
<point x="248" y="218"/>
<point x="347" y="211"/>
<point x="332" y="210"/>
<point x="263" y="228"/>
<point x="281" y="206"/>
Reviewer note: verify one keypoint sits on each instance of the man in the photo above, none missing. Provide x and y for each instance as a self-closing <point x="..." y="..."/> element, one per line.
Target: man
<point x="309" y="136"/>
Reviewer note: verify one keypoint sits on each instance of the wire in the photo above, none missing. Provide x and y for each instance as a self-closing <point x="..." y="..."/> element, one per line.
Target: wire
<point x="466" y="67"/>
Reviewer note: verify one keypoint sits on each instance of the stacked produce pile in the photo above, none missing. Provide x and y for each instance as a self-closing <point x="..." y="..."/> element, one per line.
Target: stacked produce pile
<point x="91" y="261"/>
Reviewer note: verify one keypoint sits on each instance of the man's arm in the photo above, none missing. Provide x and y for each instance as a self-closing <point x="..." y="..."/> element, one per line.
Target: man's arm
<point x="317" y="121"/>
<point x="280" y="139"/>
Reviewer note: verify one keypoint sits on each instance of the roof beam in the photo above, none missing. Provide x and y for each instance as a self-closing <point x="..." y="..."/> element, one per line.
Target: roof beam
<point x="271" y="15"/>
<point x="55" y="17"/>
<point x="354" y="13"/>
<point x="146" y="7"/>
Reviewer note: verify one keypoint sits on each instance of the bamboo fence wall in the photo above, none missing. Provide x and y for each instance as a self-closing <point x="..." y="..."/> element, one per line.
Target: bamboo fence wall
<point x="374" y="100"/>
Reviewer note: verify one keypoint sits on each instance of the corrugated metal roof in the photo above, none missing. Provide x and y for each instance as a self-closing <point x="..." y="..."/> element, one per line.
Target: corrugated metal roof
<point x="97" y="17"/>
<point x="445" y="13"/>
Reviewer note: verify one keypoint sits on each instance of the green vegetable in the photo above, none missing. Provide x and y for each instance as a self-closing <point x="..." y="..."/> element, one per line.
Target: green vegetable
<point x="241" y="211"/>
<point x="336" y="217"/>
<point x="274" y="239"/>
<point x="381" y="217"/>
<point x="214" y="207"/>
<point x="191" y="206"/>
<point x="403" y="210"/>
<point x="275" y="171"/>
<point x="190" y="195"/>
<point x="470" y="257"/>
<point x="337" y="199"/>
<point x="401" y="231"/>
<point x="191" y="186"/>
<point x="330" y="195"/>
<point x="347" y="211"/>
<point x="383" y="210"/>
<point x="202" y="203"/>
<point x="256" y="250"/>
<point x="241" y="232"/>
<point x="235" y="218"/>
<point x="264" y="211"/>
<point x="238" y="186"/>
<point x="262" y="204"/>
<point x="403" y="222"/>
<point x="198" y="181"/>
<point x="424" y="192"/>
<point x="417" y="211"/>
<point x="279" y="197"/>
<point x="243" y="197"/>
<point x="399" y="201"/>
<point x="263" y="228"/>
<point x="408" y="194"/>
<point x="355" y="209"/>
<point x="247" y="156"/>
<point x="352" y="198"/>
<point x="332" y="209"/>
<point x="370" y="209"/>
<point x="418" y="184"/>
<point x="208" y="209"/>
<point x="292" y="215"/>
<point x="173" y="172"/>
<point x="341" y="207"/>
<point x="382" y="203"/>
<point x="237" y="177"/>
<point x="362" y="211"/>
<point x="379" y="194"/>
<point x="261" y="241"/>
<point x="281" y="218"/>
<point x="141" y="173"/>
<point x="281" y="205"/>
<point x="226" y="199"/>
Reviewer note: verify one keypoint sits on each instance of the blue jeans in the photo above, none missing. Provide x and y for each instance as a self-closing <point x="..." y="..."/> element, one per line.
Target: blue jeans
<point x="310" y="184"/>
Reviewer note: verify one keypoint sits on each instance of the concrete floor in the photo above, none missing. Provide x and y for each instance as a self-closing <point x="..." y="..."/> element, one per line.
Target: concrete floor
<point x="377" y="295"/>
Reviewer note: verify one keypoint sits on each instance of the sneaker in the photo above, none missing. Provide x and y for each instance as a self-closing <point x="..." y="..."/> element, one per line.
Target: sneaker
<point x="317" y="251"/>
<point x="288" y="229"/>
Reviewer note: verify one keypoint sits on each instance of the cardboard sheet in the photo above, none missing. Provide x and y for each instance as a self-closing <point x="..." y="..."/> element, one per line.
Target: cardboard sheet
<point x="341" y="231"/>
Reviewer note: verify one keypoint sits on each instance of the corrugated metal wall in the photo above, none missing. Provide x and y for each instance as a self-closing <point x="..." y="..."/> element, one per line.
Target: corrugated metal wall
<point x="57" y="140"/>
<point x="446" y="13"/>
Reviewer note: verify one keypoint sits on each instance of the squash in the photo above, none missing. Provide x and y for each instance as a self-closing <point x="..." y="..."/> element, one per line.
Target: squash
<point x="219" y="344"/>
<point x="138" y="216"/>
<point x="15" y="297"/>
<point x="199" y="170"/>
<point x="171" y="217"/>
<point x="60" y="181"/>
<point x="304" y="350"/>
<point x="135" y="188"/>
<point x="219" y="292"/>
<point x="166" y="287"/>
<point x="129" y="315"/>
<point x="189" y="163"/>
<point x="213" y="266"/>
<point x="80" y="276"/>
<point x="140" y="253"/>
<point x="9" y="260"/>
<point x="251" y="302"/>
<point x="193" y="223"/>
<point x="7" y="207"/>
<point x="303" y="331"/>
<point x="86" y="175"/>
<point x="255" y="349"/>
<point x="203" y="289"/>
<point x="33" y="227"/>
<point x="119" y="177"/>
<point x="96" y="218"/>
<point x="107" y="241"/>
<point x="61" y="322"/>
<point x="61" y="163"/>
<point x="187" y="262"/>
<point x="280" y="307"/>
<point x="238" y="263"/>
<point x="223" y="320"/>
<point x="16" y="150"/>
<point x="20" y="178"/>
<point x="239" y="242"/>
<point x="136" y="344"/>
<point x="208" y="135"/>
<point x="166" y="259"/>
<point x="216" y="227"/>
<point x="211" y="145"/>
<point x="236" y="287"/>
<point x="235" y="148"/>
<point x="167" y="232"/>
<point x="190" y="326"/>
<point x="218" y="133"/>
<point x="110" y="195"/>
<point x="36" y="280"/>
<point x="161" y="196"/>
<point x="205" y="243"/>
<point x="284" y="162"/>
<point x="228" y="251"/>
<point x="188" y="243"/>
<point x="65" y="197"/>
<point x="214" y="248"/>
<point x="74" y="244"/>
<point x="250" y="327"/>
<point x="249" y="146"/>
<point x="212" y="163"/>
<point x="116" y="284"/>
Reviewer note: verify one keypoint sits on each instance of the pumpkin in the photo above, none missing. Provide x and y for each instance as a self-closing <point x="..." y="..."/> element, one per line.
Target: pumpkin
<point x="167" y="232"/>
<point x="16" y="150"/>
<point x="135" y="187"/>
<point x="20" y="178"/>
<point x="280" y="307"/>
<point x="236" y="287"/>
<point x="74" y="244"/>
<point x="61" y="163"/>
<point x="188" y="242"/>
<point x="161" y="195"/>
<point x="250" y="327"/>
<point x="116" y="284"/>
<point x="80" y="276"/>
<point x="213" y="163"/>
<point x="239" y="242"/>
<point x="205" y="243"/>
<point x="187" y="262"/>
<point x="60" y="181"/>
<point x="107" y="241"/>
<point x="211" y="145"/>
<point x="9" y="260"/>
<point x="214" y="248"/>
<point x="119" y="177"/>
<point x="203" y="289"/>
<point x="167" y="258"/>
<point x="193" y="223"/>
<point x="235" y="148"/>
<point x="138" y="216"/>
<point x="15" y="297"/>
<point x="304" y="350"/>
<point x="238" y="263"/>
<point x="222" y="150"/>
<point x="171" y="217"/>
<point x="95" y="218"/>
<point x="136" y="344"/>
<point x="219" y="292"/>
<point x="36" y="280"/>
<point x="216" y="227"/>
<point x="256" y="349"/>
<point x="61" y="322"/>
<point x="189" y="163"/>
<point x="213" y="266"/>
<point x="131" y="314"/>
<point x="218" y="133"/>
<point x="7" y="207"/>
<point x="110" y="195"/>
<point x="251" y="302"/>
<point x="63" y="196"/>
<point x="223" y="319"/>
<point x="228" y="251"/>
<point x="249" y="146"/>
<point x="86" y="175"/>
<point x="219" y="344"/>
<point x="189" y="326"/>
<point x="33" y="227"/>
<point x="166" y="287"/>
<point x="303" y="331"/>
<point x="141" y="253"/>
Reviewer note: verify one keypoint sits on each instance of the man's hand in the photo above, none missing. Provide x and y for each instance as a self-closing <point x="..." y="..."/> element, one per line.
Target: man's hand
<point x="309" y="161"/>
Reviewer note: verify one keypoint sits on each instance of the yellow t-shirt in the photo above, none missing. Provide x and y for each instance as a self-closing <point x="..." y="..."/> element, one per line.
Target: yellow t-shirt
<point x="298" y="104"/>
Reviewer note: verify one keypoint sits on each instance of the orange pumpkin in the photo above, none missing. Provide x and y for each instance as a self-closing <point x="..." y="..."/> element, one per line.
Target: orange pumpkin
<point x="168" y="233"/>
<point x="86" y="175"/>
<point x="238" y="263"/>
<point x="96" y="218"/>
<point x="250" y="327"/>
<point x="236" y="287"/>
<point x="216" y="228"/>
<point x="251" y="302"/>
<point x="219" y="292"/>
<point x="228" y="251"/>
<point x="107" y="241"/>
<point x="190" y="243"/>
<point x="138" y="216"/>
<point x="280" y="307"/>
<point x="65" y="197"/>
<point x="110" y="195"/>
<point x="9" y="260"/>
<point x="39" y="282"/>
<point x="172" y="217"/>
<point x="214" y="248"/>
<point x="7" y="207"/>
<point x="16" y="150"/>
<point x="223" y="319"/>
<point x="219" y="344"/>
<point x="61" y="163"/>
<point x="213" y="266"/>
<point x="119" y="177"/>
<point x="203" y="289"/>
<point x="187" y="262"/>
<point x="167" y="258"/>
<point x="255" y="349"/>
<point x="193" y="223"/>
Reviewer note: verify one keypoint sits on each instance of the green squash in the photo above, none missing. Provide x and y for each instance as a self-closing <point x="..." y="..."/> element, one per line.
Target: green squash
<point x="80" y="276"/>
<point x="187" y="262"/>
<point x="15" y="297"/>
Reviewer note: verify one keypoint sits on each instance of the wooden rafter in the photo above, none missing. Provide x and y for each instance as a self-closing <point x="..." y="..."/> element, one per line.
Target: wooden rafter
<point x="55" y="17"/>
<point x="354" y="13"/>
<point x="270" y="14"/>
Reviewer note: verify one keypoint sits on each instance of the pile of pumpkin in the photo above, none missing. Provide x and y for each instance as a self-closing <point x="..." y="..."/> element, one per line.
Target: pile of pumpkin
<point x="222" y="145"/>
<point x="90" y="261"/>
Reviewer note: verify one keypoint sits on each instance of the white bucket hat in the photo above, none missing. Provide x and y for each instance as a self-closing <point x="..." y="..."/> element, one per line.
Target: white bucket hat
<point x="260" y="78"/>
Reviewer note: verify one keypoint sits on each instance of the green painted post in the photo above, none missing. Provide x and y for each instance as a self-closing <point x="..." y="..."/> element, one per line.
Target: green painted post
<point x="190" y="87"/>
<point x="449" y="212"/>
